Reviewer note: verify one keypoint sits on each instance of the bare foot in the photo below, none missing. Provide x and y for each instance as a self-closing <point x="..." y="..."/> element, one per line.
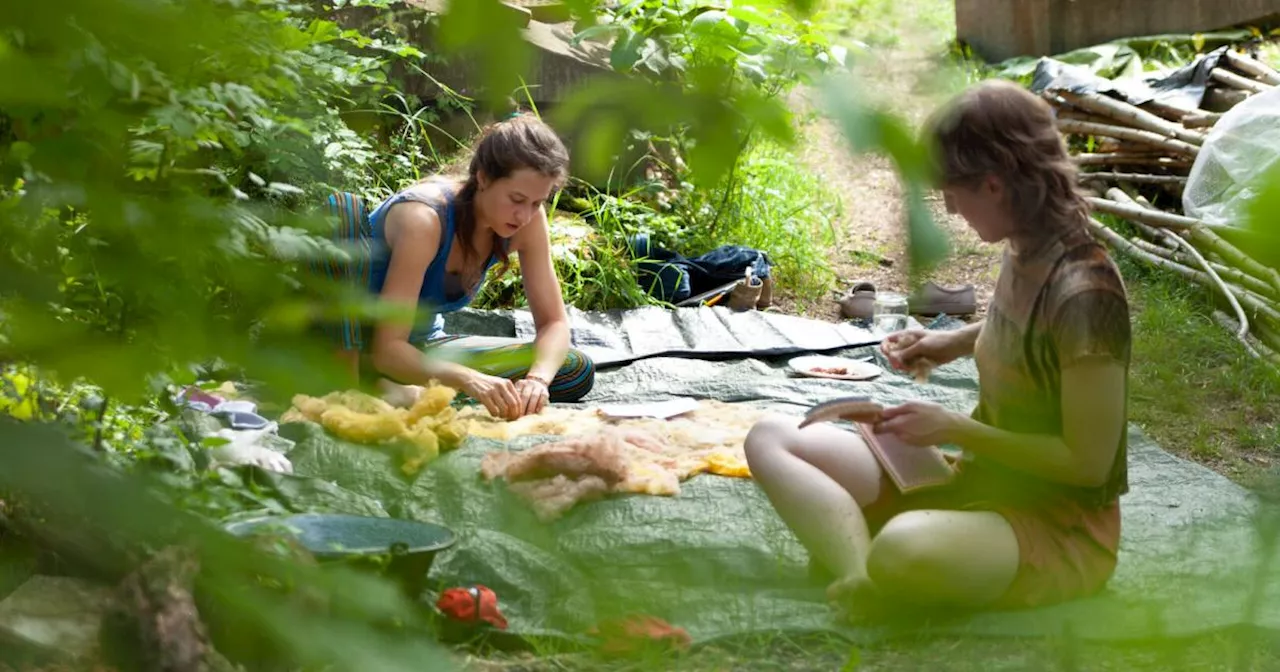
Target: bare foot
<point x="849" y="588"/>
<point x="400" y="396"/>
<point x="857" y="597"/>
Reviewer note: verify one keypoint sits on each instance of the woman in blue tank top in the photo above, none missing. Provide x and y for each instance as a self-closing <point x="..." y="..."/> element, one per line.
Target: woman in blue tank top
<point x="430" y="248"/>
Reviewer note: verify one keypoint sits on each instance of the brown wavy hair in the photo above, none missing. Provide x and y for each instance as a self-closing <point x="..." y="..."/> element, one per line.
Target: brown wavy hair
<point x="998" y="128"/>
<point x="522" y="140"/>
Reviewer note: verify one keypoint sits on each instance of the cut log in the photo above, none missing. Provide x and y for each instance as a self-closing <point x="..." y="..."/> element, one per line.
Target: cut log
<point x="1201" y="120"/>
<point x="1198" y="261"/>
<point x="1075" y="115"/>
<point x="1153" y="234"/>
<point x="1253" y="67"/>
<point x="1158" y="250"/>
<point x="1212" y="243"/>
<point x="1252" y="345"/>
<point x="1118" y="159"/>
<point x="1131" y="134"/>
<point x="1187" y="248"/>
<point x="1238" y="277"/>
<point x="1153" y="217"/>
<point x="1235" y="81"/>
<point x="1137" y="178"/>
<point x="1253" y="302"/>
<point x="1132" y="116"/>
<point x="1217" y="99"/>
<point x="1165" y="110"/>
<point x="1133" y="148"/>
<point x="1269" y="336"/>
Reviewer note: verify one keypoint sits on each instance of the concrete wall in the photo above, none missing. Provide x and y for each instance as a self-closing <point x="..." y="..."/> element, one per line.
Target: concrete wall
<point x="1000" y="29"/>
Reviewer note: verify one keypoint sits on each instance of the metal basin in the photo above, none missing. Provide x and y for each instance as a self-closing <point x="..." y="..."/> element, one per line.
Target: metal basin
<point x="409" y="546"/>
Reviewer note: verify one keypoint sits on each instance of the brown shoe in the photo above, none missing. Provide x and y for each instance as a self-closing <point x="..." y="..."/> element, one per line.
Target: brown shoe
<point x="933" y="299"/>
<point x="766" y="294"/>
<point x="746" y="295"/>
<point x="859" y="303"/>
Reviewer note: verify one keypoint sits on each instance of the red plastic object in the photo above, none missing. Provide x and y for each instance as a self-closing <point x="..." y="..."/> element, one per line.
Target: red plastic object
<point x="472" y="605"/>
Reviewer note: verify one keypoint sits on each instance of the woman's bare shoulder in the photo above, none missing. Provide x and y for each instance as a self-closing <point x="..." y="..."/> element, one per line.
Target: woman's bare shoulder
<point x="412" y="220"/>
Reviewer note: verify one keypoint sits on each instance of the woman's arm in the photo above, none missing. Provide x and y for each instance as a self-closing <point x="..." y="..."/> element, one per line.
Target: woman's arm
<point x="965" y="338"/>
<point x="542" y="288"/>
<point x="413" y="235"/>
<point x="1093" y="420"/>
<point x="1093" y="398"/>
<point x="1091" y="336"/>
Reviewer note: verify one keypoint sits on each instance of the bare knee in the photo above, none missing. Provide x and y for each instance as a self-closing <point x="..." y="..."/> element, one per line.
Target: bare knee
<point x="767" y="437"/>
<point x="907" y="549"/>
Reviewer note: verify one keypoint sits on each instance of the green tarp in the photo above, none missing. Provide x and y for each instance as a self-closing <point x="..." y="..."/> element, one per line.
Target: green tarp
<point x="717" y="561"/>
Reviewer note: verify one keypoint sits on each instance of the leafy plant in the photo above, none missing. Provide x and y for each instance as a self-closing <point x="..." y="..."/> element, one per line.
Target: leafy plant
<point x="595" y="268"/>
<point x="730" y="63"/>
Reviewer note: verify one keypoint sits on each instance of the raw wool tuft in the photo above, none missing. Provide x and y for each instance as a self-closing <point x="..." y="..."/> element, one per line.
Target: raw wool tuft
<point x="636" y="456"/>
<point x="421" y="432"/>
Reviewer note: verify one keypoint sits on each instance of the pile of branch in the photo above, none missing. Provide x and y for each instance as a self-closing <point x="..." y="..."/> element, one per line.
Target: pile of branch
<point x="1140" y="155"/>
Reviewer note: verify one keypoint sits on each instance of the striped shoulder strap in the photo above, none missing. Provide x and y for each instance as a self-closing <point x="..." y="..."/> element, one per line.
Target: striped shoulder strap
<point x="353" y="217"/>
<point x="352" y="229"/>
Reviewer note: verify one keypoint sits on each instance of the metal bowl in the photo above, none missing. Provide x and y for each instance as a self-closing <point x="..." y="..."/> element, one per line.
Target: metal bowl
<point x="409" y="546"/>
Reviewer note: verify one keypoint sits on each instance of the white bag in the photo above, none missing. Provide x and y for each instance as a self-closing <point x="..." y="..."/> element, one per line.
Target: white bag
<point x="1239" y="151"/>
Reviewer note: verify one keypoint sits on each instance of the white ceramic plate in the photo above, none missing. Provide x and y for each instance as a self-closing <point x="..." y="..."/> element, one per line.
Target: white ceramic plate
<point x="840" y="368"/>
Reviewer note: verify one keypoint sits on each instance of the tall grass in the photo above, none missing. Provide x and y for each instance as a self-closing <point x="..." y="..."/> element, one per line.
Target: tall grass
<point x="1194" y="388"/>
<point x="772" y="203"/>
<point x="589" y="251"/>
<point x="769" y="202"/>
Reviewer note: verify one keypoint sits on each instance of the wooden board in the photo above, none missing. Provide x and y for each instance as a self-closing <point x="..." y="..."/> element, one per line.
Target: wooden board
<point x="1000" y="29"/>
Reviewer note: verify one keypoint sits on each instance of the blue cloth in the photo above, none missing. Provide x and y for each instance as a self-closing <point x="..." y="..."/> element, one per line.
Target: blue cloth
<point x="433" y="299"/>
<point x="672" y="277"/>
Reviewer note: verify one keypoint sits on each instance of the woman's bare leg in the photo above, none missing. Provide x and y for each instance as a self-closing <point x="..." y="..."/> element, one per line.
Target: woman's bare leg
<point x="400" y="396"/>
<point x="391" y="392"/>
<point x="945" y="558"/>
<point x="818" y="478"/>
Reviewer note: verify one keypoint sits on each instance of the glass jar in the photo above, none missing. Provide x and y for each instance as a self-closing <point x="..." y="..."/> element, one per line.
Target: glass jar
<point x="890" y="312"/>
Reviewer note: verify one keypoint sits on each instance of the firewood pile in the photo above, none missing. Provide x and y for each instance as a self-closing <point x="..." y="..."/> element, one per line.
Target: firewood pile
<point x="1139" y="156"/>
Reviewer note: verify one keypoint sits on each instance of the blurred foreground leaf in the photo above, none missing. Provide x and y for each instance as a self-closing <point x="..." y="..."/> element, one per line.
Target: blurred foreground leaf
<point x="488" y="32"/>
<point x="871" y="130"/>
<point x="313" y="615"/>
<point x="1263" y="225"/>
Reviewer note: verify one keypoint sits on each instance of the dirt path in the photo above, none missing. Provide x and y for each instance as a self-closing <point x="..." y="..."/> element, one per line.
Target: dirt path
<point x="909" y="78"/>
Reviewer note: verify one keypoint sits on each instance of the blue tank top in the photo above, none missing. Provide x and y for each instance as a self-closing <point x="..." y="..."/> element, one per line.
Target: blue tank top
<point x="441" y="292"/>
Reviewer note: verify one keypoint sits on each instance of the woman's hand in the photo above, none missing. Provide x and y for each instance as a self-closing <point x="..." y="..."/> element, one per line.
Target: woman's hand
<point x="534" y="395"/>
<point x="904" y="349"/>
<point x="499" y="395"/>
<point x="919" y="423"/>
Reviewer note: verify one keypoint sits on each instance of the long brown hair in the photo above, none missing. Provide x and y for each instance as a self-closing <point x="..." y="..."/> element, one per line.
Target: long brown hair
<point x="520" y="141"/>
<point x="998" y="128"/>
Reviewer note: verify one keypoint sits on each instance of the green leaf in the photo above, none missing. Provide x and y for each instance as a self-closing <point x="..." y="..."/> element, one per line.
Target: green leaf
<point x="853" y="662"/>
<point x="870" y="130"/>
<point x="489" y="32"/>
<point x="928" y="244"/>
<point x="598" y="31"/>
<point x="1261" y="229"/>
<point x="750" y="15"/>
<point x="21" y="151"/>
<point x="626" y="51"/>
<point x="367" y="624"/>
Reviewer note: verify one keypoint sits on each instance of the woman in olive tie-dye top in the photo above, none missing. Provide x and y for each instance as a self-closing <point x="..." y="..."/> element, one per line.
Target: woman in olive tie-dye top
<point x="1033" y="516"/>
